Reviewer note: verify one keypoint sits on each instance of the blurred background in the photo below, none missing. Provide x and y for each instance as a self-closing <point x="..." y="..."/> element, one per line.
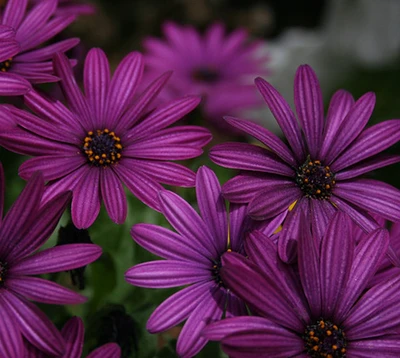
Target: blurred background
<point x="351" y="44"/>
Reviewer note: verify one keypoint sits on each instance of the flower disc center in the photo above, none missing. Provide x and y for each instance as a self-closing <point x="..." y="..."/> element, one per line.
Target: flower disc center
<point x="5" y="65"/>
<point x="3" y="272"/>
<point x="325" y="339"/>
<point x="102" y="147"/>
<point x="315" y="180"/>
<point x="205" y="74"/>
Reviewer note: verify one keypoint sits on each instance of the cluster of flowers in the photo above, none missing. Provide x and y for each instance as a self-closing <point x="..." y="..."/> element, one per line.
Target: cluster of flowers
<point x="299" y="266"/>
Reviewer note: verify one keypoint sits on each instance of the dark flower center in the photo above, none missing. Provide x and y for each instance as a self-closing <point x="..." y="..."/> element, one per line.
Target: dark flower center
<point x="5" y="65"/>
<point x="3" y="272"/>
<point x="205" y="74"/>
<point x="325" y="339"/>
<point x="315" y="180"/>
<point x="215" y="271"/>
<point x="102" y="148"/>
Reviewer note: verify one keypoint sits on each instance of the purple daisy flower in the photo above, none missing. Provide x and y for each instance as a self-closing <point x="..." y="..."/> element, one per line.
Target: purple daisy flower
<point x="22" y="32"/>
<point x="320" y="169"/>
<point x="105" y="138"/>
<point x="217" y="66"/>
<point x="73" y="332"/>
<point x="24" y="229"/>
<point x="324" y="311"/>
<point x="193" y="257"/>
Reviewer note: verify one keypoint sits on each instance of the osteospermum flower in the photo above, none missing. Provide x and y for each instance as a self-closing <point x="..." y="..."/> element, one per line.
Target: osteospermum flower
<point x="193" y="257"/>
<point x="327" y="313"/>
<point x="73" y="333"/>
<point x="217" y="66"/>
<point x="24" y="229"/>
<point x="105" y="138"/>
<point x="319" y="171"/>
<point x="23" y="60"/>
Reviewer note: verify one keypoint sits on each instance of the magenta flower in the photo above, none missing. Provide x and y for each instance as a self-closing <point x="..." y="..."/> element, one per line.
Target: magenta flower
<point x="217" y="66"/>
<point x="320" y="169"/>
<point x="73" y="332"/>
<point x="24" y="229"/>
<point x="22" y="32"/>
<point x="324" y="311"/>
<point x="105" y="138"/>
<point x="192" y="258"/>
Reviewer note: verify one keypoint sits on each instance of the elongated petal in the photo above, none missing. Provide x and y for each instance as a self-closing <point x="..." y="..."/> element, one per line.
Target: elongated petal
<point x="164" y="274"/>
<point x="239" y="223"/>
<point x="11" y="340"/>
<point x="9" y="48"/>
<point x="212" y="206"/>
<point x="39" y="290"/>
<point x="367" y="257"/>
<point x="73" y="333"/>
<point x="371" y="195"/>
<point x="249" y="157"/>
<point x="2" y="187"/>
<point x="114" y="196"/>
<point x="14" y="13"/>
<point x="168" y="244"/>
<point x="284" y="116"/>
<point x="178" y="307"/>
<point x="96" y="81"/>
<point x="109" y="350"/>
<point x="266" y="137"/>
<point x="86" y="199"/>
<point x="165" y="152"/>
<point x="13" y="85"/>
<point x="381" y="347"/>
<point x="339" y="106"/>
<point x="56" y="259"/>
<point x="188" y="223"/>
<point x="190" y="340"/>
<point x="309" y="107"/>
<point x="370" y="142"/>
<point x="34" y="325"/>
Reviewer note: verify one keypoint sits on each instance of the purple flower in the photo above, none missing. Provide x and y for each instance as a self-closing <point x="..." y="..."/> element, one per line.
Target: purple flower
<point x="217" y="66"/>
<point x="22" y="32"/>
<point x="24" y="229"/>
<point x="73" y="332"/>
<point x="107" y="137"/>
<point x="193" y="258"/>
<point x="72" y="7"/>
<point x="319" y="171"/>
<point x="324" y="311"/>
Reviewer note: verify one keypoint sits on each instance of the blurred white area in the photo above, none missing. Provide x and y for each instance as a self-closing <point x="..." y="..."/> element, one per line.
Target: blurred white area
<point x="354" y="33"/>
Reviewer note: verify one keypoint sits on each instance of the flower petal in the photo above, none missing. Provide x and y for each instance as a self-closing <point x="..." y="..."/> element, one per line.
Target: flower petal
<point x="13" y="85"/>
<point x="73" y="333"/>
<point x="14" y="13"/>
<point x="109" y="350"/>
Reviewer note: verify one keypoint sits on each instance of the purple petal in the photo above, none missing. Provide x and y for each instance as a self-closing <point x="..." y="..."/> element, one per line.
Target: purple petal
<point x="212" y="206"/>
<point x="165" y="172"/>
<point x="238" y="225"/>
<point x="11" y="341"/>
<point x="164" y="274"/>
<point x="6" y="32"/>
<point x="14" y="13"/>
<point x="2" y="187"/>
<point x="321" y="213"/>
<point x="33" y="324"/>
<point x="164" y="116"/>
<point x="163" y="152"/>
<point x="13" y="85"/>
<point x="274" y="200"/>
<point x="269" y="139"/>
<point x="234" y="306"/>
<point x="86" y="199"/>
<point x="123" y="86"/>
<point x="367" y="257"/>
<point x="9" y="48"/>
<point x="371" y="195"/>
<point x="339" y="106"/>
<point x="140" y="185"/>
<point x="352" y="125"/>
<point x="167" y="244"/>
<point x="73" y="333"/>
<point x="178" y="307"/>
<point x="136" y="110"/>
<point x="96" y="81"/>
<point x="284" y="116"/>
<point x="109" y="350"/>
<point x="113" y="195"/>
<point x="39" y="290"/>
<point x="336" y="260"/>
<point x="56" y="259"/>
<point x="381" y="347"/>
<point x="190" y="341"/>
<point x="249" y="157"/>
<point x="188" y="223"/>
<point x="370" y="142"/>
<point x="309" y="107"/>
<point x="71" y="90"/>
